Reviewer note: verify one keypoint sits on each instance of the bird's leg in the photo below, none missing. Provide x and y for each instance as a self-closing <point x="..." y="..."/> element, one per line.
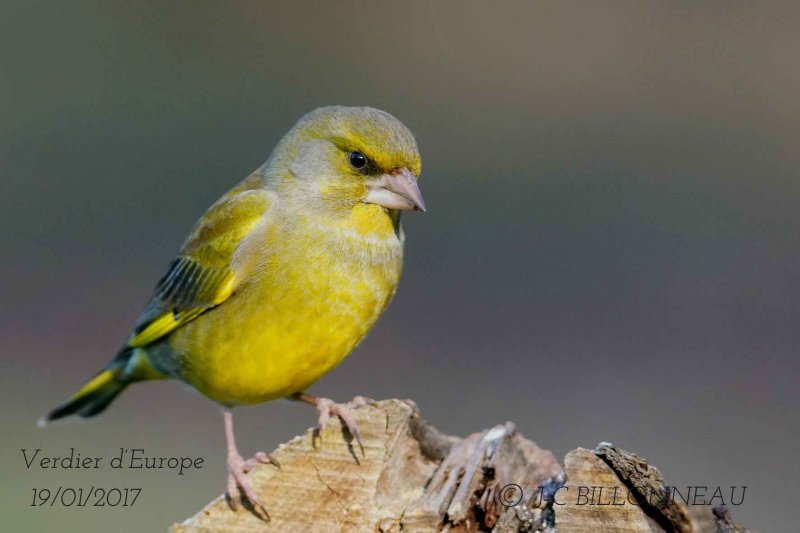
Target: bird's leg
<point x="238" y="485"/>
<point x="328" y="408"/>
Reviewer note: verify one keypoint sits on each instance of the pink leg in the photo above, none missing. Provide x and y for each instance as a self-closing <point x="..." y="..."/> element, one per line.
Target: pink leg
<point x="238" y="485"/>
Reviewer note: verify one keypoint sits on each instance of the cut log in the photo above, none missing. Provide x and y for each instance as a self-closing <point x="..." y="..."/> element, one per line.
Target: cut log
<point x="413" y="478"/>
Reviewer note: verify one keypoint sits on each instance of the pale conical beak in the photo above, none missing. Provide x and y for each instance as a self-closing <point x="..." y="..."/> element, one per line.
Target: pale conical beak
<point x="397" y="190"/>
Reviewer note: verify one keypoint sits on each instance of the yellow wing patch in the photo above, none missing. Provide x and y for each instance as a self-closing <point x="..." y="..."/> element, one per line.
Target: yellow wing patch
<point x="162" y="326"/>
<point x="202" y="277"/>
<point x="185" y="291"/>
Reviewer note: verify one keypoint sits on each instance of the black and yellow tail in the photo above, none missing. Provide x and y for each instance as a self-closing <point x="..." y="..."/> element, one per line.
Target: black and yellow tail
<point x="98" y="393"/>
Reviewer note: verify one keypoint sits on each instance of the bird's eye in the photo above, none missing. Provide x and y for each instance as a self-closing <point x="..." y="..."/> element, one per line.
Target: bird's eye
<point x="358" y="160"/>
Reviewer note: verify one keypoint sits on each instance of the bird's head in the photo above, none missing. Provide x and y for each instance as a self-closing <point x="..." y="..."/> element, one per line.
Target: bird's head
<point x="344" y="159"/>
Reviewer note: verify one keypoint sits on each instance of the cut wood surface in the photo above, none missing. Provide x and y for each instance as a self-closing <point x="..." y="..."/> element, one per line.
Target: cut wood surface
<point x="413" y="478"/>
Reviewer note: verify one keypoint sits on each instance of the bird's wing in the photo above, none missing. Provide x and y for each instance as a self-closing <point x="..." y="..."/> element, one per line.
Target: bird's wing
<point x="204" y="274"/>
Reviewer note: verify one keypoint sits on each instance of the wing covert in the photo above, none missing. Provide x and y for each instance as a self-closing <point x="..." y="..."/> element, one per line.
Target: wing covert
<point x="203" y="276"/>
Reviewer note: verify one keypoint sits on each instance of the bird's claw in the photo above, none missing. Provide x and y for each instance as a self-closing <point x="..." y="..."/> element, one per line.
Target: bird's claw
<point x="239" y="487"/>
<point x="260" y="458"/>
<point x="328" y="408"/>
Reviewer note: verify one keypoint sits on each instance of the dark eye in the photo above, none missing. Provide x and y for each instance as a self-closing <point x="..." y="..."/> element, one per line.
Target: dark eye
<point x="358" y="160"/>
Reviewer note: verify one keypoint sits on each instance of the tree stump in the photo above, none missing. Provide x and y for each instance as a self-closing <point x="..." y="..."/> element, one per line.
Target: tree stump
<point x="413" y="478"/>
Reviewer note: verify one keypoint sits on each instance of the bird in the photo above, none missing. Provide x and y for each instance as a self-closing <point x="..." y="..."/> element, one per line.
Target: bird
<point x="279" y="280"/>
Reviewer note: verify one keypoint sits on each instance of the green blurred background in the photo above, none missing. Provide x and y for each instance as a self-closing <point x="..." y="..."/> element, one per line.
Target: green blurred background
<point x="611" y="250"/>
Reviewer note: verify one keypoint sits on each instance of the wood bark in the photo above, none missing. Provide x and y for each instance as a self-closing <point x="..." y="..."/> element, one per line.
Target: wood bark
<point x="412" y="478"/>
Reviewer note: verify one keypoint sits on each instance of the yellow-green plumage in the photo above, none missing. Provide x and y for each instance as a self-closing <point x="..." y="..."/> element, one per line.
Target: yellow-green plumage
<point x="284" y="275"/>
<point x="314" y="292"/>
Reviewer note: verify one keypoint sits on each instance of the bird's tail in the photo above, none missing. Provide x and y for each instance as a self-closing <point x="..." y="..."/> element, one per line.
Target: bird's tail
<point x="99" y="392"/>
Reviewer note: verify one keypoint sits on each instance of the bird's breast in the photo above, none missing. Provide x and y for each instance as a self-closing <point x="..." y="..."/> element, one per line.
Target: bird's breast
<point x="313" y="294"/>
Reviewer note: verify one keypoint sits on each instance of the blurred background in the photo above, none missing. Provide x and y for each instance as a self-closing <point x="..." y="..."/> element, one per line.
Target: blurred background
<point x="610" y="253"/>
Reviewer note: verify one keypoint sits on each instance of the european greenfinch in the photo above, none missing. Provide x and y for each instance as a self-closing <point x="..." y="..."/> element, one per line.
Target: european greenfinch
<point x="280" y="279"/>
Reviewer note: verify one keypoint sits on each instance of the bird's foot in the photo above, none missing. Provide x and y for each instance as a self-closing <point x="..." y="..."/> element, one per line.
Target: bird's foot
<point x="328" y="408"/>
<point x="261" y="458"/>
<point x="238" y="486"/>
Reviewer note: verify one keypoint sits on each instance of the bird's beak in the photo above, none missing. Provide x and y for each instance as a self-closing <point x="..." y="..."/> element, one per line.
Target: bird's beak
<point x="397" y="190"/>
